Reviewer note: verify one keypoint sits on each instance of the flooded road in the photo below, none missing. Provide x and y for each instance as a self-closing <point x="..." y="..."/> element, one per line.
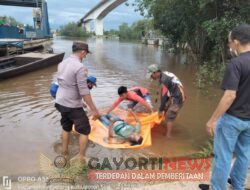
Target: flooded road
<point x="29" y="123"/>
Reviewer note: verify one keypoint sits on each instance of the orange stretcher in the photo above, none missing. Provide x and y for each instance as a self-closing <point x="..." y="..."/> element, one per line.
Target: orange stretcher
<point x="99" y="131"/>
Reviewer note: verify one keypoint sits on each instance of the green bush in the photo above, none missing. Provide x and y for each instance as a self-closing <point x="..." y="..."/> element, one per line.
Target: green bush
<point x="73" y="30"/>
<point x="209" y="74"/>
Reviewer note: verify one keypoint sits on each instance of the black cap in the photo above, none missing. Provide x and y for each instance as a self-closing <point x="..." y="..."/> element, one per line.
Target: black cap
<point x="122" y="89"/>
<point x="80" y="46"/>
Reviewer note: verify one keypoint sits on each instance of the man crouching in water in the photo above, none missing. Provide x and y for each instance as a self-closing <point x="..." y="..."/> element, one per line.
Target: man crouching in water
<point x="173" y="96"/>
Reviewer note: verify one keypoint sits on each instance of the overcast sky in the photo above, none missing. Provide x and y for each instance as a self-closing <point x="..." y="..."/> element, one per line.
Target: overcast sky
<point x="64" y="11"/>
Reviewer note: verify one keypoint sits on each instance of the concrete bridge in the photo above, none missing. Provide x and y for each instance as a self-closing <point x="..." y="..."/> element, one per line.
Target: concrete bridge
<point x="98" y="13"/>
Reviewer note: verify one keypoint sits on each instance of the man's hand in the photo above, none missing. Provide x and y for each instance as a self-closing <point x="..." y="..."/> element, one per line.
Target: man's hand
<point x="151" y="111"/>
<point x="161" y="114"/>
<point x="129" y="110"/>
<point x="95" y="115"/>
<point x="210" y="127"/>
<point x="225" y="103"/>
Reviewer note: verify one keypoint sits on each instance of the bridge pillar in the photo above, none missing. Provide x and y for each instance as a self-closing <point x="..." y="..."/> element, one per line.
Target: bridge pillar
<point x="86" y="26"/>
<point x="99" y="27"/>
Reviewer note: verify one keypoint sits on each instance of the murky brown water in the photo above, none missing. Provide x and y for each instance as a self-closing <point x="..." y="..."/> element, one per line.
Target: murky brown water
<point x="29" y="123"/>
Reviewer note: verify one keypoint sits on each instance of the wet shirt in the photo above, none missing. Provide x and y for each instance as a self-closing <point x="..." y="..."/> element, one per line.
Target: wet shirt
<point x="139" y="90"/>
<point x="237" y="77"/>
<point x="123" y="129"/>
<point x="72" y="80"/>
<point x="170" y="88"/>
<point x="133" y="96"/>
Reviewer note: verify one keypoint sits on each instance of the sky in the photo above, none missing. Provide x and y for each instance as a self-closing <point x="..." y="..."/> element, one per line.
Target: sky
<point x="64" y="11"/>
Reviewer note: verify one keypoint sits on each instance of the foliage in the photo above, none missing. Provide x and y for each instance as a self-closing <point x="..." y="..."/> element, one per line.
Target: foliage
<point x="125" y="32"/>
<point x="136" y="31"/>
<point x="11" y="21"/>
<point x="73" y="30"/>
<point x="202" y="24"/>
<point x="209" y="74"/>
<point x="206" y="151"/>
<point x="77" y="169"/>
<point x="111" y="33"/>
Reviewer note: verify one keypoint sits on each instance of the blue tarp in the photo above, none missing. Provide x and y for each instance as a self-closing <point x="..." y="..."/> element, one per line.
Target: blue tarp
<point x="10" y="32"/>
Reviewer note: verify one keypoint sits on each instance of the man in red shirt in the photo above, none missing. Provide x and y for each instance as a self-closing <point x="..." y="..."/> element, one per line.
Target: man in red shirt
<point x="134" y="94"/>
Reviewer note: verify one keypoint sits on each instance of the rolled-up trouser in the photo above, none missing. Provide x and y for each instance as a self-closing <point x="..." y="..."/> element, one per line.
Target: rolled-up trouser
<point x="172" y="108"/>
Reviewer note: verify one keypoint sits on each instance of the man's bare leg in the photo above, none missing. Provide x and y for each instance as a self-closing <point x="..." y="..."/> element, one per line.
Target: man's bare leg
<point x="65" y="142"/>
<point x="83" y="141"/>
<point x="169" y="129"/>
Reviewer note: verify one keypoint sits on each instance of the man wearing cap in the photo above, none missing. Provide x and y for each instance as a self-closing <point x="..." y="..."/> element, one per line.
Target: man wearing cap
<point x="91" y="82"/>
<point x="172" y="94"/>
<point x="73" y="89"/>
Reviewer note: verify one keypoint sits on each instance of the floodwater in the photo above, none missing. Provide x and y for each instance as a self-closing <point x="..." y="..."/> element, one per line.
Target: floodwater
<point x="30" y="125"/>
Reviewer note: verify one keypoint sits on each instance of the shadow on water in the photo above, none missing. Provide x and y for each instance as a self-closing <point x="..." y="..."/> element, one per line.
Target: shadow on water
<point x="29" y="123"/>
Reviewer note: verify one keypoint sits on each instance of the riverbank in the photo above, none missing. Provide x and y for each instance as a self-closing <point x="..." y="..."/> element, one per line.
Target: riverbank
<point x="121" y="185"/>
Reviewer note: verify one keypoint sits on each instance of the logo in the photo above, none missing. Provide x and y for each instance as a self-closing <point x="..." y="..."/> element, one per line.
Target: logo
<point x="6" y="182"/>
<point x="61" y="170"/>
<point x="151" y="169"/>
<point x="60" y="162"/>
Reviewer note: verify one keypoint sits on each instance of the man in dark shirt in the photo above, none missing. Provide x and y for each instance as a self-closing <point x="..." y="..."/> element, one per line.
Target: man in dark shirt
<point x="230" y="121"/>
<point x="172" y="96"/>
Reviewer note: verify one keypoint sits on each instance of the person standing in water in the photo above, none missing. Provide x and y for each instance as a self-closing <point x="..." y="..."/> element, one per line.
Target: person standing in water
<point x="172" y="96"/>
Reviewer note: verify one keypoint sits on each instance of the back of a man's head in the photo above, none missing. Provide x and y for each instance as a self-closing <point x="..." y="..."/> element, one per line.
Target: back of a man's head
<point x="79" y="46"/>
<point x="241" y="33"/>
<point x="122" y="90"/>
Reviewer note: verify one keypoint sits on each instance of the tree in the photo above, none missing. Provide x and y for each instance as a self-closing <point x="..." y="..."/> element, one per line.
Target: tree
<point x="134" y="32"/>
<point x="202" y="24"/>
<point x="72" y="30"/>
<point x="10" y="21"/>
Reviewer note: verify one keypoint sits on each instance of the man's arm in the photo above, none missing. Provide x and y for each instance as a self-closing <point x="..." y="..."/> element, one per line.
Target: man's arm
<point x="230" y="84"/>
<point x="164" y="98"/>
<point x="225" y="103"/>
<point x="115" y="104"/>
<point x="81" y="77"/>
<point x="87" y="98"/>
<point x="111" y="126"/>
<point x="110" y="109"/>
<point x="137" y="125"/>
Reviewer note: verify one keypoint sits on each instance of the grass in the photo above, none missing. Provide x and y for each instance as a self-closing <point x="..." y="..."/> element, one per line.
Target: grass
<point x="206" y="151"/>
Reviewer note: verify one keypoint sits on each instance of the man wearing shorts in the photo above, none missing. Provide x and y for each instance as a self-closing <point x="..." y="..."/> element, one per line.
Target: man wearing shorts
<point x="73" y="89"/>
<point x="172" y="96"/>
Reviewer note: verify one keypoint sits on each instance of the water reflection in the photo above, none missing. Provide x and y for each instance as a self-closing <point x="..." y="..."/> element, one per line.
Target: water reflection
<point x="29" y="123"/>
